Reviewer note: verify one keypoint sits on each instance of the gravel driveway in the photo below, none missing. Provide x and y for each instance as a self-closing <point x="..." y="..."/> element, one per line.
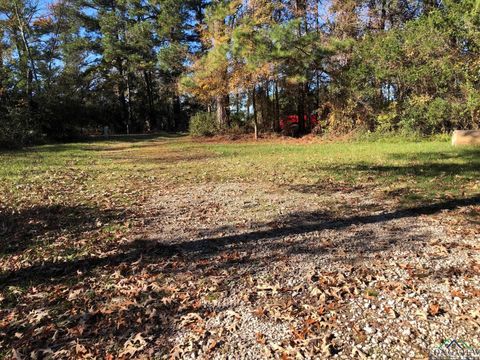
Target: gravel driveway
<point x="281" y="272"/>
<point x="250" y="271"/>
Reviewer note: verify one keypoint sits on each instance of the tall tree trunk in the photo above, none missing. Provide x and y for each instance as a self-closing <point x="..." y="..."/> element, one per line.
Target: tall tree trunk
<point x="151" y="111"/>
<point x="383" y="16"/>
<point x="123" y="104"/>
<point x="129" y="105"/>
<point x="249" y="102"/>
<point x="237" y="104"/>
<point x="221" y="111"/>
<point x="255" y="120"/>
<point x="227" y="110"/>
<point x="25" y="43"/>
<point x="302" y="29"/>
<point x="2" y="89"/>
<point x="260" y="102"/>
<point x="272" y="104"/>
<point x="277" y="108"/>
<point x="301" y="109"/>
<point x="31" y="71"/>
<point x="308" y="123"/>
<point x="266" y="115"/>
<point x="220" y="99"/>
<point x="122" y="94"/>
<point x="177" y="114"/>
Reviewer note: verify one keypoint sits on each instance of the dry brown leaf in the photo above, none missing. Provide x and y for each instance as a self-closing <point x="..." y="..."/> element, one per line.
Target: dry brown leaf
<point x="456" y="293"/>
<point x="212" y="344"/>
<point x="133" y="345"/>
<point x="80" y="349"/>
<point x="260" y="338"/>
<point x="190" y="318"/>
<point x="434" y="309"/>
<point x="391" y="312"/>
<point x="259" y="312"/>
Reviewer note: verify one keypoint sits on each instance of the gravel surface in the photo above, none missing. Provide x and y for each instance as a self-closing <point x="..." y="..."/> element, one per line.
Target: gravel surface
<point x="292" y="275"/>
<point x="251" y="271"/>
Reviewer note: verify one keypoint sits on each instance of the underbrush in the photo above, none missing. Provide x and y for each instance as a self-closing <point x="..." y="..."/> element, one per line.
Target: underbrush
<point x="203" y="124"/>
<point x="386" y="136"/>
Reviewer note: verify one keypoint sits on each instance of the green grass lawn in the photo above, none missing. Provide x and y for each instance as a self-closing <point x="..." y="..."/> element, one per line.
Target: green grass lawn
<point x="106" y="182"/>
<point x="79" y="204"/>
<point x="117" y="171"/>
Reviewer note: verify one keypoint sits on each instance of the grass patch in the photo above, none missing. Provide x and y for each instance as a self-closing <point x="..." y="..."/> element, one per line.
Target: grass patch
<point x="73" y="220"/>
<point x="59" y="201"/>
<point x="83" y="172"/>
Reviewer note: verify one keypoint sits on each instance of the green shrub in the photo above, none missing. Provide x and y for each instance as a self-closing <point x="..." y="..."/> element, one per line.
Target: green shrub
<point x="17" y="128"/>
<point x="203" y="124"/>
<point x="430" y="116"/>
<point x="237" y="119"/>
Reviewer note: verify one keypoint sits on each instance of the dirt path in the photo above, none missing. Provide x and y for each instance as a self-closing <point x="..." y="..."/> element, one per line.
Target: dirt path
<point x="285" y="272"/>
<point x="246" y="272"/>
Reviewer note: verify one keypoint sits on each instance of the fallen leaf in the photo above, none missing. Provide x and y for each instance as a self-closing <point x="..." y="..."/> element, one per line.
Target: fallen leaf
<point x="433" y="309"/>
<point x="260" y="338"/>
<point x="134" y="345"/>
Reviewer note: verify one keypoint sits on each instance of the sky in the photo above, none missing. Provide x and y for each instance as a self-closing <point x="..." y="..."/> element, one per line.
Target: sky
<point x="43" y="5"/>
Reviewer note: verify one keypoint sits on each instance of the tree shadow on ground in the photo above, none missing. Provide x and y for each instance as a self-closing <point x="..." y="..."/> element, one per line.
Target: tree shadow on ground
<point x="136" y="137"/>
<point x="469" y="153"/>
<point x="139" y="307"/>
<point x="173" y="157"/>
<point x="426" y="171"/>
<point x="326" y="186"/>
<point x="92" y="143"/>
<point x="427" y="165"/>
<point x="153" y="250"/>
<point x="20" y="230"/>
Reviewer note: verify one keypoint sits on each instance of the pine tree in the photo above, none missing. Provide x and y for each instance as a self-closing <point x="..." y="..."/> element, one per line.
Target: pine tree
<point x="17" y="26"/>
<point x="209" y="79"/>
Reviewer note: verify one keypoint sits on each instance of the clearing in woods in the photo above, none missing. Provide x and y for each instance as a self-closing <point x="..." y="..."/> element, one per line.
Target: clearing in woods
<point x="170" y="247"/>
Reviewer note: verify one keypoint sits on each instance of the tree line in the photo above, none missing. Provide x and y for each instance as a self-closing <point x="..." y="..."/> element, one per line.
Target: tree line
<point x="70" y="66"/>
